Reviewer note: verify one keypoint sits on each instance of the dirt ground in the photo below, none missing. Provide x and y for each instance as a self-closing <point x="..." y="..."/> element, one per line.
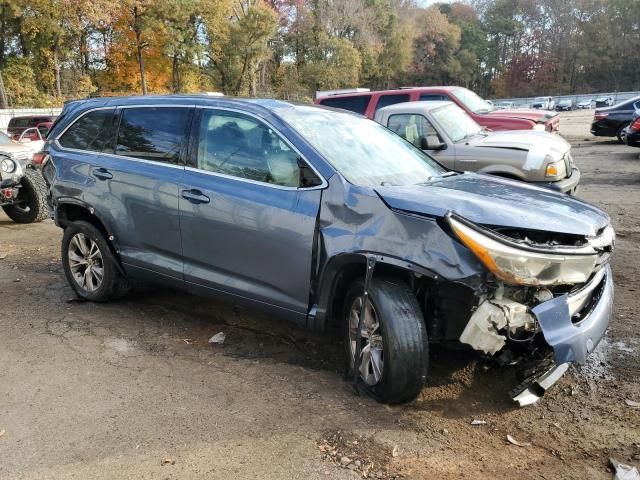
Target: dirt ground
<point x="133" y="389"/>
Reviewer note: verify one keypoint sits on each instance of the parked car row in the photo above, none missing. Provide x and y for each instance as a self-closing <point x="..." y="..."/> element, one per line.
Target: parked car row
<point x="613" y="121"/>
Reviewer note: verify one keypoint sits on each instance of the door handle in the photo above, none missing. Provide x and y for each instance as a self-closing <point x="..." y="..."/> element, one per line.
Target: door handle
<point x="102" y="174"/>
<point x="195" y="196"/>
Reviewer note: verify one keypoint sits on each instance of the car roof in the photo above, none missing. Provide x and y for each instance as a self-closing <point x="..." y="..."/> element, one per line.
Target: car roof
<point x="415" y="107"/>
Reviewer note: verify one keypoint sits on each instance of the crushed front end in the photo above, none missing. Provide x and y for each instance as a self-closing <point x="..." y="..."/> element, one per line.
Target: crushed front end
<point x="544" y="292"/>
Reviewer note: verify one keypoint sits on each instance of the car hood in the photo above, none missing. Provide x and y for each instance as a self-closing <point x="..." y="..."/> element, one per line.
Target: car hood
<point x="526" y="113"/>
<point x="526" y="140"/>
<point x="15" y="148"/>
<point x="494" y="201"/>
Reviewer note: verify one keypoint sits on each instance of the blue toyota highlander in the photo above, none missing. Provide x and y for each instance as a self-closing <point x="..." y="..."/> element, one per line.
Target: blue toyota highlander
<point x="324" y="217"/>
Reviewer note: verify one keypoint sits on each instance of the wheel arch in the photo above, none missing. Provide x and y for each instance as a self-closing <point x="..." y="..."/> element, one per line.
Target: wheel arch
<point x="341" y="270"/>
<point x="72" y="210"/>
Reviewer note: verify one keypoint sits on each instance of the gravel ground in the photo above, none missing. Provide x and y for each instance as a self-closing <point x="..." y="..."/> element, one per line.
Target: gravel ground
<point x="132" y="389"/>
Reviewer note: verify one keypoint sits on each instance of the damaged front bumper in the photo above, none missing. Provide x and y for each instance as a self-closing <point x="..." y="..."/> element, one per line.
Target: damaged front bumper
<point x="571" y="324"/>
<point x="574" y="324"/>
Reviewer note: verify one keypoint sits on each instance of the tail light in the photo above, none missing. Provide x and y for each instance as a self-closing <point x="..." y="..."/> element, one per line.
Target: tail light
<point x="38" y="158"/>
<point x="600" y="116"/>
<point x="635" y="126"/>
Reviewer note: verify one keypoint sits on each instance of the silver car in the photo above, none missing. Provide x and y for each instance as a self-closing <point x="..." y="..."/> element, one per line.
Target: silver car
<point x="455" y="140"/>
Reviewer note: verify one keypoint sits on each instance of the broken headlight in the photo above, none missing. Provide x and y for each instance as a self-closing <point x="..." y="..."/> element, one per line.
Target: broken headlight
<point x="523" y="265"/>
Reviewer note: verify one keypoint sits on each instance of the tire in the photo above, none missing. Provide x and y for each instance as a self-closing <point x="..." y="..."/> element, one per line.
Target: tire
<point x="619" y="132"/>
<point x="33" y="192"/>
<point x="85" y="248"/>
<point x="405" y="349"/>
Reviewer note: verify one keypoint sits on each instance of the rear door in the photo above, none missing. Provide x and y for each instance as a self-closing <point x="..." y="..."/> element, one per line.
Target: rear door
<point x="136" y="187"/>
<point x="248" y="210"/>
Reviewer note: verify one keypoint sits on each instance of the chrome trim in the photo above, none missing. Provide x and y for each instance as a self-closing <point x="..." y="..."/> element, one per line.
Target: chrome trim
<point x="577" y="299"/>
<point x="540" y="385"/>
<point x="324" y="183"/>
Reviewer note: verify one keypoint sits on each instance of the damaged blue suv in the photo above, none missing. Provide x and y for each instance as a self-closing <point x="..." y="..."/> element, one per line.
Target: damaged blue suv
<point x="324" y="217"/>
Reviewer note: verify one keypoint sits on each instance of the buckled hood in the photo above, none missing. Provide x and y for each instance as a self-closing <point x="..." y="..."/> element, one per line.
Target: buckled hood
<point x="493" y="201"/>
<point x="525" y="140"/>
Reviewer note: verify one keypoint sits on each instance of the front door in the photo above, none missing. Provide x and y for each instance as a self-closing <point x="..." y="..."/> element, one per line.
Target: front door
<point x="247" y="222"/>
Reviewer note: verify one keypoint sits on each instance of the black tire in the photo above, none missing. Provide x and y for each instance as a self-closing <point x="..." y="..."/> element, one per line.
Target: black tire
<point x="113" y="284"/>
<point x="404" y="339"/>
<point x="619" y="132"/>
<point x="33" y="193"/>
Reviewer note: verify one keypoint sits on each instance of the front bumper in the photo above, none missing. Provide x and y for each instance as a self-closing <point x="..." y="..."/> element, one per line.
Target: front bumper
<point x="571" y="340"/>
<point x="566" y="185"/>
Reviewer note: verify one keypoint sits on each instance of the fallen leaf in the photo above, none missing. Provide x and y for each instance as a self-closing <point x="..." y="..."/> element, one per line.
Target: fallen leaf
<point x="513" y="441"/>
<point x="2" y="432"/>
<point x="395" y="452"/>
<point x="478" y="422"/>
<point x="632" y="403"/>
<point x="168" y="461"/>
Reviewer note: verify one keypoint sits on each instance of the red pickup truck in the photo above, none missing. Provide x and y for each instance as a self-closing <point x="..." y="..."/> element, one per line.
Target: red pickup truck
<point x="367" y="103"/>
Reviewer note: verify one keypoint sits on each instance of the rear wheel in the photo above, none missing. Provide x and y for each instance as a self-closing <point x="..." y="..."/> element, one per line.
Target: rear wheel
<point x="393" y="340"/>
<point x="620" y="134"/>
<point x="31" y="204"/>
<point x="89" y="265"/>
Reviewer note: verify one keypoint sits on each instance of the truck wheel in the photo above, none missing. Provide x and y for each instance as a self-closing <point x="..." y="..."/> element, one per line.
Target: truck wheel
<point x="32" y="197"/>
<point x="89" y="265"/>
<point x="393" y="340"/>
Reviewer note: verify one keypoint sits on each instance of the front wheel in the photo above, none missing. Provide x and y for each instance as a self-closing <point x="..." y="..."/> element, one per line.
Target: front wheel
<point x="31" y="203"/>
<point x="394" y="349"/>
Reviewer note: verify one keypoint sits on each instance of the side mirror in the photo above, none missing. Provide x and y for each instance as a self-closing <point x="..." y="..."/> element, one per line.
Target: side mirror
<point x="432" y="143"/>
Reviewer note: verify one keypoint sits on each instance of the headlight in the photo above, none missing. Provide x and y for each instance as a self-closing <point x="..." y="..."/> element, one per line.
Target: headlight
<point x="556" y="170"/>
<point x="518" y="265"/>
<point x="539" y="127"/>
<point x="7" y="165"/>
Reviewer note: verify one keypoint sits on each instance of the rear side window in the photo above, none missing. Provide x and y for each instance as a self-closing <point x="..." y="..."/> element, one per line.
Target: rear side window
<point x="386" y="100"/>
<point x="414" y="128"/>
<point x="357" y="104"/>
<point x="92" y="131"/>
<point x="431" y="97"/>
<point x="153" y="133"/>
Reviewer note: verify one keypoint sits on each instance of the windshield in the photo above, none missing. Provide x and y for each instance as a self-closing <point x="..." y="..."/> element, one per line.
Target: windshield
<point x="455" y="122"/>
<point x="472" y="101"/>
<point x="5" y="139"/>
<point x="363" y="151"/>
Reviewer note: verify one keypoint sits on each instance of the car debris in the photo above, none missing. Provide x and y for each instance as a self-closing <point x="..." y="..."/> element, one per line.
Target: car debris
<point x="632" y="403"/>
<point x="478" y="422"/>
<point x="624" y="471"/>
<point x="2" y="432"/>
<point x="513" y="441"/>
<point x="218" y="338"/>
<point x="167" y="461"/>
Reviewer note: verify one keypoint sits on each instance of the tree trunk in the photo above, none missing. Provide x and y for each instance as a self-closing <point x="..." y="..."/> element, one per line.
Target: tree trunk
<point x="175" y="74"/>
<point x="140" y="49"/>
<point x="3" y="94"/>
<point x="56" y="67"/>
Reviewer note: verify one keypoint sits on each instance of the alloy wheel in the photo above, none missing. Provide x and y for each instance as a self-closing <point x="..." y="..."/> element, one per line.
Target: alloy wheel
<point x="370" y="338"/>
<point x="86" y="262"/>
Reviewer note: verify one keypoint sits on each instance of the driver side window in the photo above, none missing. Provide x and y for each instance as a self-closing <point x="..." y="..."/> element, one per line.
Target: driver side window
<point x="415" y="129"/>
<point x="240" y="146"/>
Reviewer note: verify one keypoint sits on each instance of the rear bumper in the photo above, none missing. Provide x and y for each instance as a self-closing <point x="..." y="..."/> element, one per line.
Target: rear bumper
<point x="573" y="342"/>
<point x="566" y="185"/>
<point x="600" y="130"/>
<point x="632" y="139"/>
